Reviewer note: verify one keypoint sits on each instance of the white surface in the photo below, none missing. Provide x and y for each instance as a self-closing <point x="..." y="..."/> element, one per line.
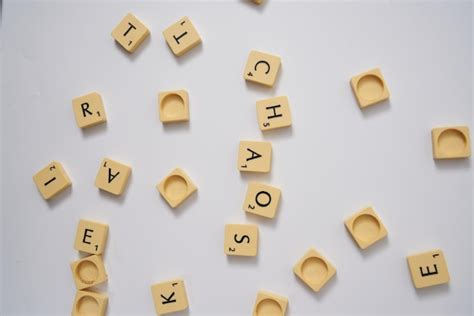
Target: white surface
<point x="335" y="160"/>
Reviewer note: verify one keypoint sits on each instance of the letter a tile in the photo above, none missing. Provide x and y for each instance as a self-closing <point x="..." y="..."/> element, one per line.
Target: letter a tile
<point x="112" y="176"/>
<point x="254" y="156"/>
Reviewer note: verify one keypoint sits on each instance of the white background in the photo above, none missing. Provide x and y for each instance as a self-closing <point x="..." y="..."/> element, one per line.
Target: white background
<point x="335" y="159"/>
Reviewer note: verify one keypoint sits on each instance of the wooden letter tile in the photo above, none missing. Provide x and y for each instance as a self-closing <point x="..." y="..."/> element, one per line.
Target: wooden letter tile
<point x="428" y="268"/>
<point x="91" y="237"/>
<point x="51" y="180"/>
<point x="262" y="68"/>
<point x="241" y="240"/>
<point x="182" y="36"/>
<point x="254" y="156"/>
<point x="112" y="176"/>
<point x="262" y="199"/>
<point x="169" y="297"/>
<point x="130" y="33"/>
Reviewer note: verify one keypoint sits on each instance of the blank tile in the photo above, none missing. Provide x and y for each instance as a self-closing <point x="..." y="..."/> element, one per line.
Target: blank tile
<point x="88" y="271"/>
<point x="89" y="303"/>
<point x="173" y="106"/>
<point x="451" y="142"/>
<point x="270" y="304"/>
<point x="314" y="270"/>
<point x="51" y="180"/>
<point x="176" y="187"/>
<point x="370" y="88"/>
<point x="366" y="227"/>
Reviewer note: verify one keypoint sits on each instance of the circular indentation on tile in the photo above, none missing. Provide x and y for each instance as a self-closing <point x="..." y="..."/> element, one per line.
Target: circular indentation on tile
<point x="452" y="141"/>
<point x="314" y="270"/>
<point x="87" y="271"/>
<point x="370" y="87"/>
<point x="176" y="187"/>
<point x="366" y="227"/>
<point x="173" y="106"/>
<point x="87" y="305"/>
<point x="269" y="307"/>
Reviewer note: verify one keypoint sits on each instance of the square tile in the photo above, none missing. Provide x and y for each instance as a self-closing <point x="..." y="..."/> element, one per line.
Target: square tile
<point x="182" y="36"/>
<point x="51" y="180"/>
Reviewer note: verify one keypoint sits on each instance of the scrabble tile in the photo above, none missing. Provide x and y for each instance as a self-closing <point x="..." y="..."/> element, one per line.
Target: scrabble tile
<point x="254" y="156"/>
<point x="91" y="237"/>
<point x="51" y="180"/>
<point x="130" y="32"/>
<point x="366" y="227"/>
<point x="112" y="176"/>
<point x="258" y="1"/>
<point x="273" y="113"/>
<point x="88" y="272"/>
<point x="370" y="88"/>
<point x="241" y="240"/>
<point x="89" y="110"/>
<point x="176" y="187"/>
<point x="262" y="68"/>
<point x="89" y="303"/>
<point x="173" y="106"/>
<point x="169" y="297"/>
<point x="269" y="304"/>
<point x="182" y="36"/>
<point x="314" y="270"/>
<point x="451" y="142"/>
<point x="262" y="199"/>
<point x="428" y="268"/>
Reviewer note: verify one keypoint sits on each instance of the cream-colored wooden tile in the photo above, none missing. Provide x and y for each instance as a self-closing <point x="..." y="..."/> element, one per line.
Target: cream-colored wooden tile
<point x="366" y="227"/>
<point x="428" y="268"/>
<point x="262" y="68"/>
<point x="91" y="237"/>
<point x="89" y="110"/>
<point x="51" y="180"/>
<point x="314" y="270"/>
<point x="130" y="32"/>
<point x="270" y="304"/>
<point x="261" y="199"/>
<point x="254" y="156"/>
<point x="370" y="88"/>
<point x="112" y="176"/>
<point x="273" y="113"/>
<point x="88" y="271"/>
<point x="451" y="142"/>
<point x="173" y="106"/>
<point x="182" y="36"/>
<point x="176" y="187"/>
<point x="89" y="303"/>
<point x="241" y="240"/>
<point x="169" y="297"/>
